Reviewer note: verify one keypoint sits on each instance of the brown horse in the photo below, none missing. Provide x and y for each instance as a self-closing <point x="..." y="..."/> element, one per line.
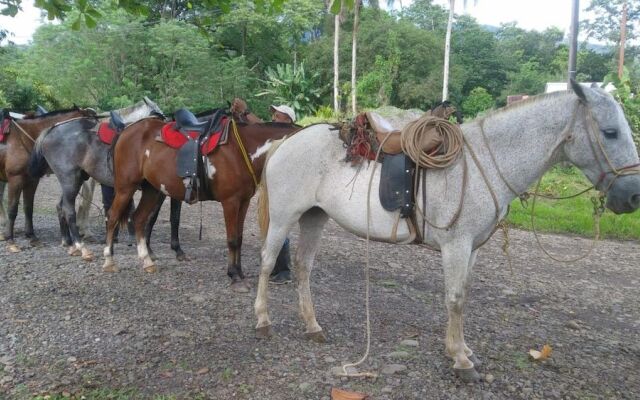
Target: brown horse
<point x="14" y="159"/>
<point x="140" y="161"/>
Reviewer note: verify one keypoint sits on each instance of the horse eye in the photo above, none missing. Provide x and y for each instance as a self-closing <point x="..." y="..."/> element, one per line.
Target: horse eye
<point x="610" y="133"/>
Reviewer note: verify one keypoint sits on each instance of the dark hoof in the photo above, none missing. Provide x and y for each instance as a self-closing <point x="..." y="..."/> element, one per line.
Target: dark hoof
<point x="34" y="242"/>
<point x="240" y="286"/>
<point x="475" y="360"/>
<point x="469" y="375"/>
<point x="182" y="257"/>
<point x="318" y="337"/>
<point x="264" y="332"/>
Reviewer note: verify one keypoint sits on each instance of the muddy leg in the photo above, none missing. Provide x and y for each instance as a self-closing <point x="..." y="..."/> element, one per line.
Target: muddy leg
<point x="311" y="224"/>
<point x="456" y="261"/>
<point x="86" y="196"/>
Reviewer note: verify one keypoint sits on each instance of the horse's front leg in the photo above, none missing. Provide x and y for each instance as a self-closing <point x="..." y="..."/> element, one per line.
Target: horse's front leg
<point x="15" y="190"/>
<point x="174" y="217"/>
<point x="234" y="212"/>
<point x="28" y="195"/>
<point x="3" y="214"/>
<point x="457" y="261"/>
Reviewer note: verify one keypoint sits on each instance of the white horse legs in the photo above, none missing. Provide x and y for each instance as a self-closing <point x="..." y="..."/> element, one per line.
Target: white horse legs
<point x="311" y="224"/>
<point x="457" y="261"/>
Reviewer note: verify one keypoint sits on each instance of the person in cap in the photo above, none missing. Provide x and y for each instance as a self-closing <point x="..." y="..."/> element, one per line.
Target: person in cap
<point x="281" y="273"/>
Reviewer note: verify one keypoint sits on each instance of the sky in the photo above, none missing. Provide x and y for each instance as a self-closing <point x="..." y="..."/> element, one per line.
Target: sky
<point x="528" y="14"/>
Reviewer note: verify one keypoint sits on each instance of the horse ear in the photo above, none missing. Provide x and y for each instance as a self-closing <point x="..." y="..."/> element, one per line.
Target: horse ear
<point x="579" y="90"/>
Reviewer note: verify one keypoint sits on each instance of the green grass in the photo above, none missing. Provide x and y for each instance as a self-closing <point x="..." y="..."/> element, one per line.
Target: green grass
<point x="573" y="216"/>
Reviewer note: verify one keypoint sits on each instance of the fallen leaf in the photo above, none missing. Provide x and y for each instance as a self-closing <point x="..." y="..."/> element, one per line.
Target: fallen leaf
<point x="339" y="394"/>
<point x="202" y="371"/>
<point x="166" y="374"/>
<point x="541" y="355"/>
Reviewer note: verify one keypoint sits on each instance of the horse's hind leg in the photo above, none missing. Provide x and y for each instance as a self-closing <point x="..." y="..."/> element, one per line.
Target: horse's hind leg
<point x="141" y="218"/>
<point x="311" y="224"/>
<point x="70" y="191"/>
<point x="64" y="227"/>
<point x="457" y="260"/>
<point x="115" y="215"/>
<point x="276" y="236"/>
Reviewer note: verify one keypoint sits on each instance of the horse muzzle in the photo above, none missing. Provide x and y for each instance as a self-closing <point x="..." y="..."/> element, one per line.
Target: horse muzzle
<point x="624" y="194"/>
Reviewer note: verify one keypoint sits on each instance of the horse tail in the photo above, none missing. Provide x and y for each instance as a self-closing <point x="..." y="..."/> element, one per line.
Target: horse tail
<point x="263" y="197"/>
<point x="38" y="165"/>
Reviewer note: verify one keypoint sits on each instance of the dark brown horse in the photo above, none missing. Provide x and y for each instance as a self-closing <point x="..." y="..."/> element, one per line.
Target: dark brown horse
<point x="14" y="159"/>
<point x="141" y="161"/>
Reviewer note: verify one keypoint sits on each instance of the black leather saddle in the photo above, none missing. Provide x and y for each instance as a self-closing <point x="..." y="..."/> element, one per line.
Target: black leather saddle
<point x="396" y="183"/>
<point x="190" y="165"/>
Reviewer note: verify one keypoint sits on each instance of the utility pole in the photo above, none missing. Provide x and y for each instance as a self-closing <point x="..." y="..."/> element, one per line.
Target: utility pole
<point x="623" y="38"/>
<point x="573" y="42"/>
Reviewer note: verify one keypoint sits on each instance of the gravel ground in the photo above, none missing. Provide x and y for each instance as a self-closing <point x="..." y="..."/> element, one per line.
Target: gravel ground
<point x="67" y="327"/>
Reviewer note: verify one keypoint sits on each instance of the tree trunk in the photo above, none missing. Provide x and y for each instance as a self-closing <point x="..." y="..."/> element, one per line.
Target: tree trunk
<point x="623" y="38"/>
<point x="356" y="12"/>
<point x="447" y="48"/>
<point x="336" y="55"/>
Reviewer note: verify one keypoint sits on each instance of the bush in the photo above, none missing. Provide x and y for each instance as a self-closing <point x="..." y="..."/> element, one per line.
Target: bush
<point x="478" y="100"/>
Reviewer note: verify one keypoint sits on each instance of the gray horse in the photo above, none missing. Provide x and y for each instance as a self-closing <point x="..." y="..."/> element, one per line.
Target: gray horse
<point x="74" y="152"/>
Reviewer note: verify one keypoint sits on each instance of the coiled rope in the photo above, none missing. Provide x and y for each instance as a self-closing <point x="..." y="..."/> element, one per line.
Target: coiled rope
<point x="446" y="153"/>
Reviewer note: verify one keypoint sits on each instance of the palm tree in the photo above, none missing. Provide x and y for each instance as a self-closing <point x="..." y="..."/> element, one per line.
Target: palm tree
<point x="447" y="49"/>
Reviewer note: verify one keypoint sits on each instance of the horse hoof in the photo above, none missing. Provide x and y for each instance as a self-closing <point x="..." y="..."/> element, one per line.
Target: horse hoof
<point x="318" y="337"/>
<point x="264" y="332"/>
<point x="468" y="375"/>
<point x="35" y="243"/>
<point x="88" y="256"/>
<point x="13" y="248"/>
<point x="240" y="286"/>
<point x="74" y="251"/>
<point x="151" y="268"/>
<point x="182" y="257"/>
<point x="110" y="267"/>
<point x="475" y="360"/>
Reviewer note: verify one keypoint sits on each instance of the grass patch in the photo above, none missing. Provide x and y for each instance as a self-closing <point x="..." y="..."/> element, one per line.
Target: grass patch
<point x="574" y="216"/>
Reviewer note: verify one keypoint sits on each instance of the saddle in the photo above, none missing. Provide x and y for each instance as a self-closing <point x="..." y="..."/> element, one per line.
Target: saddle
<point x="194" y="138"/>
<point x="364" y="137"/>
<point x="109" y="129"/>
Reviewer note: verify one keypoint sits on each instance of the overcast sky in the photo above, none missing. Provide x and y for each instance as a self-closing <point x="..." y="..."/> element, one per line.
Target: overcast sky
<point x="528" y="14"/>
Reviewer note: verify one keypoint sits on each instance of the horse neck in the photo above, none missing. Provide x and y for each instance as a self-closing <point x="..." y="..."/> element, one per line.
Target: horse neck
<point x="526" y="138"/>
<point x="256" y="135"/>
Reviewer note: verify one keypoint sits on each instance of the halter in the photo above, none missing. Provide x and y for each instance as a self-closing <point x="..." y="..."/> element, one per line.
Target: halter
<point x="592" y="131"/>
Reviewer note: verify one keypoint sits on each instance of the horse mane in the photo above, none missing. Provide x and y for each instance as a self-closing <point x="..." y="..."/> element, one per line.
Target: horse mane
<point x="525" y="102"/>
<point x="55" y="112"/>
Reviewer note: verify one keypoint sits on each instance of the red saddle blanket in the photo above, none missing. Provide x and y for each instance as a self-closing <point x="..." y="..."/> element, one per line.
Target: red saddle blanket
<point x="4" y="129"/>
<point x="106" y="133"/>
<point x="176" y="139"/>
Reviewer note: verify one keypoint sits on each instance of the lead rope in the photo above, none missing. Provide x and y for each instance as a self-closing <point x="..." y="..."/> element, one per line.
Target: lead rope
<point x="244" y="153"/>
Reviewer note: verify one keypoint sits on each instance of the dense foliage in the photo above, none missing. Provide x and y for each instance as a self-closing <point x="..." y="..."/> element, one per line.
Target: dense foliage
<point x="201" y="54"/>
